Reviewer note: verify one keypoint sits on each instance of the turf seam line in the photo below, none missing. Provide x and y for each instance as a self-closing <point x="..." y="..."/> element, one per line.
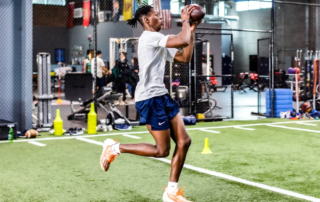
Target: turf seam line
<point x="36" y="143"/>
<point x="210" y="131"/>
<point x="239" y="180"/>
<point x="299" y="129"/>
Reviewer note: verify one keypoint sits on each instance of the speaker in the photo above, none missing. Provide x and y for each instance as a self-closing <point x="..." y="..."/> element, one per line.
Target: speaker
<point x="253" y="63"/>
<point x="78" y="86"/>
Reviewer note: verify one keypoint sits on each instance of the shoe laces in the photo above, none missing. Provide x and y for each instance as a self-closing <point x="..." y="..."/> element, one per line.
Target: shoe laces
<point x="112" y="156"/>
<point x="180" y="192"/>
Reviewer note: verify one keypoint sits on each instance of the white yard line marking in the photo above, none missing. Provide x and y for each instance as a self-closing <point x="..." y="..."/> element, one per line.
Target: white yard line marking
<point x="90" y="141"/>
<point x="247" y="125"/>
<point x="36" y="143"/>
<point x="308" y="124"/>
<point x="238" y="127"/>
<point x="147" y="132"/>
<point x="74" y="137"/>
<point x="229" y="177"/>
<point x="131" y="136"/>
<point x="239" y="180"/>
<point x="299" y="129"/>
<point x="210" y="131"/>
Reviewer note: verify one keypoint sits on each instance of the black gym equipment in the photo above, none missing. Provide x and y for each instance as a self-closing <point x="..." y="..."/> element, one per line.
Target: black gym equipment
<point x="203" y="104"/>
<point x="104" y="96"/>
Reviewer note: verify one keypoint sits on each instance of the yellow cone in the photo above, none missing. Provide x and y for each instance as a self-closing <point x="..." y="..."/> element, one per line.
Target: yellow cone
<point x="58" y="124"/>
<point x="206" y="149"/>
<point x="92" y="120"/>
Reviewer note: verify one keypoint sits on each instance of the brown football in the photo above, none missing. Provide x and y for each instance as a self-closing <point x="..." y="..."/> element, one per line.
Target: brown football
<point x="31" y="133"/>
<point x="197" y="14"/>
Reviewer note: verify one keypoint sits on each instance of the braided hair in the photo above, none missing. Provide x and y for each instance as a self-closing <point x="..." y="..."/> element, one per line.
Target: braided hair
<point x="143" y="9"/>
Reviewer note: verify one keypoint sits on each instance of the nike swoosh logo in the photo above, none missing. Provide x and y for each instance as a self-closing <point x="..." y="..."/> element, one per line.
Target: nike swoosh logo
<point x="161" y="123"/>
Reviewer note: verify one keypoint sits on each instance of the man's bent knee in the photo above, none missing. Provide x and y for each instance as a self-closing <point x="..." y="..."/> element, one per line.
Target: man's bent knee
<point x="185" y="143"/>
<point x="163" y="153"/>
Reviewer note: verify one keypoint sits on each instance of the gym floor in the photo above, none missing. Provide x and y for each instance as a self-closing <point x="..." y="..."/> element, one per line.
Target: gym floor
<point x="260" y="160"/>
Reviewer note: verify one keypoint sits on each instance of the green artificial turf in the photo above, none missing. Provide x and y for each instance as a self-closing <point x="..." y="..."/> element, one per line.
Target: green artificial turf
<point x="69" y="170"/>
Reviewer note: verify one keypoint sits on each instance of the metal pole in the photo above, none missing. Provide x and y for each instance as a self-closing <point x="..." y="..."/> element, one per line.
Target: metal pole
<point x="273" y="10"/>
<point x="232" y="58"/>
<point x="195" y="73"/>
<point x="258" y="72"/>
<point x="95" y="51"/>
<point x="270" y="77"/>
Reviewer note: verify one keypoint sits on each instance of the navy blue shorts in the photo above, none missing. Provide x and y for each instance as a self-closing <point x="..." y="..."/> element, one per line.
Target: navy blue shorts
<point x="158" y="111"/>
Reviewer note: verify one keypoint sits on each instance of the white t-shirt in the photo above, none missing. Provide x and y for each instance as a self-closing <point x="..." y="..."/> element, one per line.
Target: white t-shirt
<point x="99" y="67"/>
<point x="152" y="56"/>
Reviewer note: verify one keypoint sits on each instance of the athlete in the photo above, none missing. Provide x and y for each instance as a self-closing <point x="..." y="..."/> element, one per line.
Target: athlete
<point x="155" y="106"/>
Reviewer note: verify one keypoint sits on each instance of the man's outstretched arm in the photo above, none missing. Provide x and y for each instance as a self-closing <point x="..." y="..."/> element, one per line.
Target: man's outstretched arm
<point x="186" y="54"/>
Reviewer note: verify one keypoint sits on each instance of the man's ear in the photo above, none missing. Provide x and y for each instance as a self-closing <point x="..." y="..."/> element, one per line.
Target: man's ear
<point x="146" y="19"/>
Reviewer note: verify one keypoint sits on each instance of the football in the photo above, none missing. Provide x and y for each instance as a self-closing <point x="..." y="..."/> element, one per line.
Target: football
<point x="197" y="14"/>
<point x="31" y="133"/>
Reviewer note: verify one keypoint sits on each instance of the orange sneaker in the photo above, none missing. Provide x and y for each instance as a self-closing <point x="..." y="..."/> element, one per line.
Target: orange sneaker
<point x="174" y="197"/>
<point x="107" y="156"/>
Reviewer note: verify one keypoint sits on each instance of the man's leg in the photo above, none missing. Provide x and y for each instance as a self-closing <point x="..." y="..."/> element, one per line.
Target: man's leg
<point x="133" y="87"/>
<point x="112" y="148"/>
<point x="183" y="141"/>
<point x="160" y="149"/>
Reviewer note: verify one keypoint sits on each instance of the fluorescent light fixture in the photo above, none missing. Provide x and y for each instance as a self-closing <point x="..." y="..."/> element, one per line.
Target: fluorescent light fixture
<point x="50" y="2"/>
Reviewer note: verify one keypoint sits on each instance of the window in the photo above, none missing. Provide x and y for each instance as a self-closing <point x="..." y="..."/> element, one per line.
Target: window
<point x="176" y="6"/>
<point x="50" y="2"/>
<point x="253" y="5"/>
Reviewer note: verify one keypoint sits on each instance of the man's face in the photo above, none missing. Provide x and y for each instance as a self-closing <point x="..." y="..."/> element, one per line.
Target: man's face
<point x="155" y="20"/>
<point x="122" y="56"/>
<point x="99" y="55"/>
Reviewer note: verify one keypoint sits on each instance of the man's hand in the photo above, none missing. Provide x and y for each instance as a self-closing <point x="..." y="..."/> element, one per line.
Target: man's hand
<point x="193" y="26"/>
<point x="185" y="12"/>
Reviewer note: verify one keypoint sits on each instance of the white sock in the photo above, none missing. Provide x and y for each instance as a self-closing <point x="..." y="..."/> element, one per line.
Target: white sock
<point x="115" y="148"/>
<point x="172" y="187"/>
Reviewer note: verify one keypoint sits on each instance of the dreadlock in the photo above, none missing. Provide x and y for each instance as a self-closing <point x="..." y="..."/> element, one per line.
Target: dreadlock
<point x="143" y="9"/>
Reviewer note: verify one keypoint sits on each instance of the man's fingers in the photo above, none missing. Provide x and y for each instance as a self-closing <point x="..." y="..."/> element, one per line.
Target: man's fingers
<point x="190" y="9"/>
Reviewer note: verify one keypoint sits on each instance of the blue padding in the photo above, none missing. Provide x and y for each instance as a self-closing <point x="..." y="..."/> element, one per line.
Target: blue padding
<point x="280" y="92"/>
<point x="280" y="102"/>
<point x="281" y="97"/>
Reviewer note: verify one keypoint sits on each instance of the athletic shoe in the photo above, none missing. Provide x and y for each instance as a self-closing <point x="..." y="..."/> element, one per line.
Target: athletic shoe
<point x="174" y="197"/>
<point x="75" y="131"/>
<point x="79" y="131"/>
<point x="107" y="156"/>
<point x="123" y="127"/>
<point x="119" y="121"/>
<point x="109" y="127"/>
<point x="70" y="131"/>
